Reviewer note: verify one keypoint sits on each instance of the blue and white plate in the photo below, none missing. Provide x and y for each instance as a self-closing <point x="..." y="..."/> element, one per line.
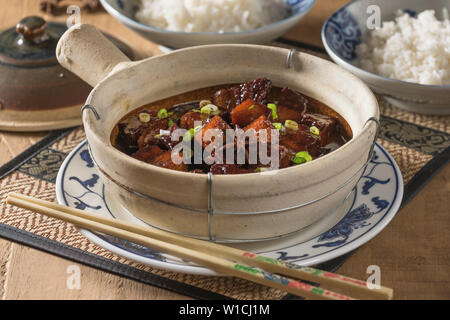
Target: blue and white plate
<point x="366" y="211"/>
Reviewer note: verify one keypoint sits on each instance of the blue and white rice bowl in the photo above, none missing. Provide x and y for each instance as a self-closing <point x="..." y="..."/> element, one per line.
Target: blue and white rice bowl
<point x="346" y="28"/>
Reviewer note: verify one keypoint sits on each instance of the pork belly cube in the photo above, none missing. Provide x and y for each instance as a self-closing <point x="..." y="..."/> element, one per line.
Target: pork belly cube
<point x="150" y="128"/>
<point x="293" y="100"/>
<point x="164" y="160"/>
<point x="166" y="141"/>
<point x="148" y="153"/>
<point x="259" y="125"/>
<point x="256" y="90"/>
<point x="325" y="124"/>
<point x="227" y="98"/>
<point x="238" y="154"/>
<point x="247" y="112"/>
<point x="152" y="136"/>
<point x="188" y="120"/>
<point x="285" y="113"/>
<point x="284" y="158"/>
<point x="156" y="124"/>
<point x="216" y="123"/>
<point x="301" y="140"/>
<point x="130" y="130"/>
<point x="228" y="169"/>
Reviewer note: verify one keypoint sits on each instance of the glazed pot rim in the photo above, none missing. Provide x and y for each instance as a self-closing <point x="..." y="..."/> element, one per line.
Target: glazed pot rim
<point x="89" y="117"/>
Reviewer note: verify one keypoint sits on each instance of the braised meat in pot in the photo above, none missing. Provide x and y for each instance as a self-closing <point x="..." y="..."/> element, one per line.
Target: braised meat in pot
<point x="232" y="129"/>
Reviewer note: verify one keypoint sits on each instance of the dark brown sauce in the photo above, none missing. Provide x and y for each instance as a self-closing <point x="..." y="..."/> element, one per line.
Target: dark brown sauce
<point x="340" y="135"/>
<point x="205" y="93"/>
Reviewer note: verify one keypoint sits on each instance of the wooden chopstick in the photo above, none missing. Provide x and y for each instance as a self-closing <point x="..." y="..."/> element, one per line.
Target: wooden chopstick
<point x="355" y="287"/>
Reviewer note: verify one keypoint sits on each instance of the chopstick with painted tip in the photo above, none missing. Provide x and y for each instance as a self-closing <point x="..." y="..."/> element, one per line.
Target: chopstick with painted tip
<point x="247" y="260"/>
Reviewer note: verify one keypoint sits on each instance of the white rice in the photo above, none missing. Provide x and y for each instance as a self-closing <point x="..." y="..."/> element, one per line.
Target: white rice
<point x="410" y="49"/>
<point x="210" y="15"/>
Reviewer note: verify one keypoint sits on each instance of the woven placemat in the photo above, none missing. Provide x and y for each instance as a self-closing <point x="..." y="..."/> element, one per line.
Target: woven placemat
<point x="419" y="144"/>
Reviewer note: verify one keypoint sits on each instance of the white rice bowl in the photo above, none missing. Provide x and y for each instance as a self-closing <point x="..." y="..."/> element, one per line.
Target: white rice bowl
<point x="210" y="16"/>
<point x="409" y="49"/>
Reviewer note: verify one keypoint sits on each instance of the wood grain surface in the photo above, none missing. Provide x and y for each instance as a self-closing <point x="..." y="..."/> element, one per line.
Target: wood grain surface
<point x="413" y="252"/>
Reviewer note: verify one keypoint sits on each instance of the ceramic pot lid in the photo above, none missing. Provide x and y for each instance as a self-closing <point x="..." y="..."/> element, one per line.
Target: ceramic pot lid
<point x="31" y="78"/>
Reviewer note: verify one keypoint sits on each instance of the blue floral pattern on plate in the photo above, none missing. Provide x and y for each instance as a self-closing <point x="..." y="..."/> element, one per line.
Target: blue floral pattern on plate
<point x="343" y="34"/>
<point x="374" y="202"/>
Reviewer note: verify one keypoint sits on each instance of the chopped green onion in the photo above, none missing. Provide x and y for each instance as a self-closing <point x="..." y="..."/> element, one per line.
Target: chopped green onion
<point x="273" y="107"/>
<point x="208" y="109"/>
<point x="302" y="157"/>
<point x="204" y="103"/>
<point x="261" y="169"/>
<point x="162" y="114"/>
<point x="170" y="123"/>
<point x="278" y="125"/>
<point x="144" y="117"/>
<point x="189" y="135"/>
<point x="251" y="107"/>
<point x="291" y="125"/>
<point x="314" y="131"/>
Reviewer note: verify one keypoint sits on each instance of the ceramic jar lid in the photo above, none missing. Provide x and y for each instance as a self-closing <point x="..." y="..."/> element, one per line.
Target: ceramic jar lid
<point x="31" y="78"/>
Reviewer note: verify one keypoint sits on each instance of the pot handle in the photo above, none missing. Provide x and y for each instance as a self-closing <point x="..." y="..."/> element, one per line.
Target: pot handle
<point x="85" y="51"/>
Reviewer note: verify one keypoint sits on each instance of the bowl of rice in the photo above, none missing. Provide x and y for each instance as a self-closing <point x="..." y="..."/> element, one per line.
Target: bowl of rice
<point x="184" y="23"/>
<point x="400" y="48"/>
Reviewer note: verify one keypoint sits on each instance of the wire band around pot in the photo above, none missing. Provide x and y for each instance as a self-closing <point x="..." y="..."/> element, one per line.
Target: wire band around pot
<point x="289" y="58"/>
<point x="92" y="108"/>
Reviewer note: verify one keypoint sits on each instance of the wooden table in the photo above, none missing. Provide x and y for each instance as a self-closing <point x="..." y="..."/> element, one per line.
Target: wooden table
<point x="413" y="252"/>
